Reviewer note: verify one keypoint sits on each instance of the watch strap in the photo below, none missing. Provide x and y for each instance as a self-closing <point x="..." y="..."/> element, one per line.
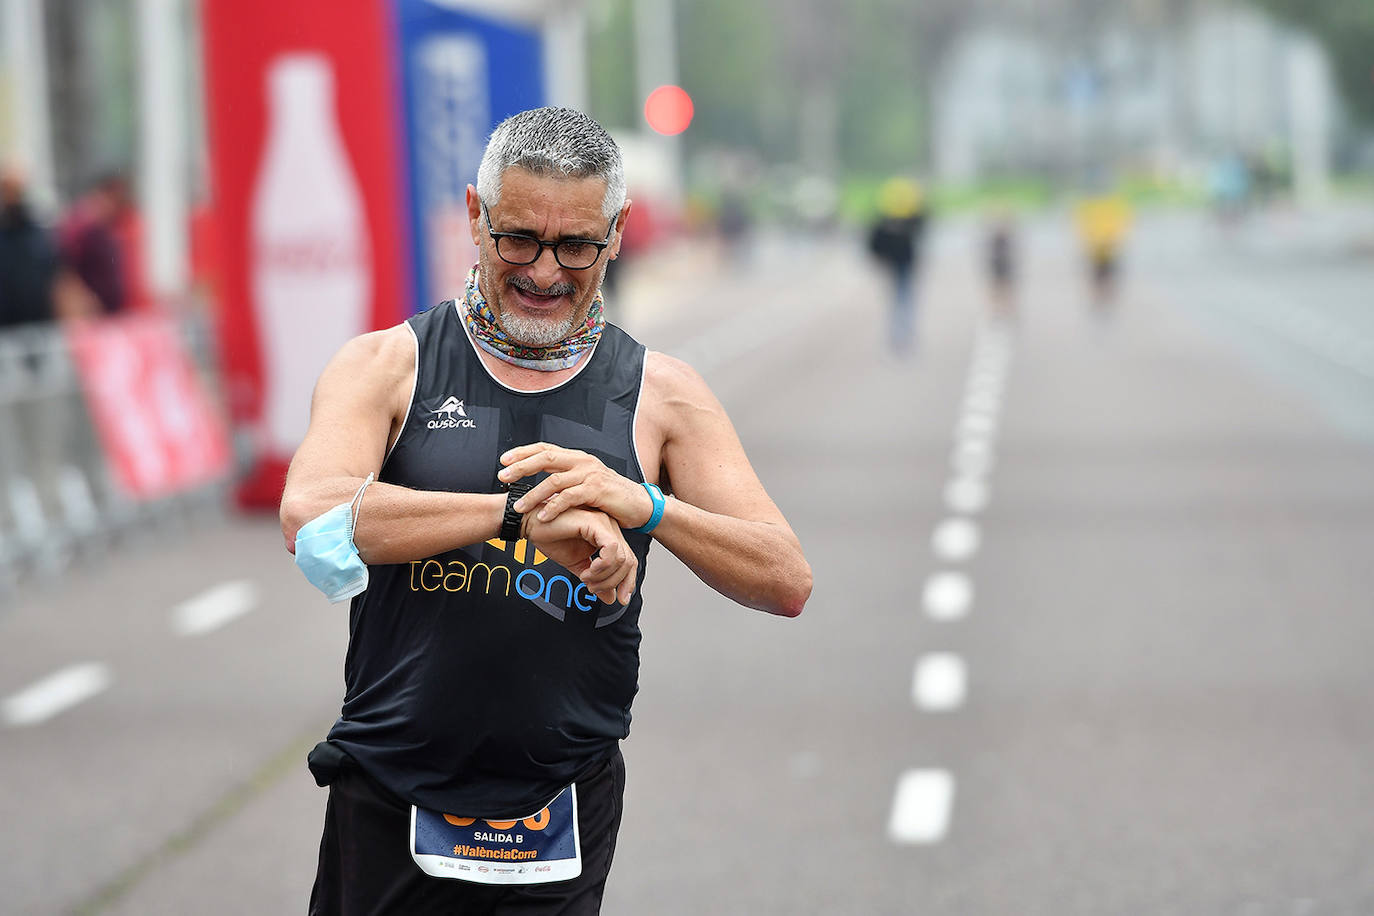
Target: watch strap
<point x="511" y="521"/>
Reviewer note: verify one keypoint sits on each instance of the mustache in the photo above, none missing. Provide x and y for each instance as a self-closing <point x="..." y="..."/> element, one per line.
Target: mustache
<point x="529" y="286"/>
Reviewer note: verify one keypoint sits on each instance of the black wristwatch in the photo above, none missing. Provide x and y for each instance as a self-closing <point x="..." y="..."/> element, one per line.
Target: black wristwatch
<point x="510" y="522"/>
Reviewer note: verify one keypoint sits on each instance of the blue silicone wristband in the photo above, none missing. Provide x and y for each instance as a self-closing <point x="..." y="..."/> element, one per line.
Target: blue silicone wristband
<point x="656" y="516"/>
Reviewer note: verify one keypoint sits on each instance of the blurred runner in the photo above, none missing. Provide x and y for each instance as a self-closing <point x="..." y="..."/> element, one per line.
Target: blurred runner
<point x="1102" y="223"/>
<point x="1001" y="264"/>
<point x="894" y="240"/>
<point x="1228" y="186"/>
<point x="733" y="224"/>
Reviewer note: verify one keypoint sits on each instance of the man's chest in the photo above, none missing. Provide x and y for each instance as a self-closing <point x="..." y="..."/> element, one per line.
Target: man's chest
<point x="454" y="436"/>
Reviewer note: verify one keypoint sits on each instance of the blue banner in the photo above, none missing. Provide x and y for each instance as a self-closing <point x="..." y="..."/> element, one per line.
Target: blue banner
<point x="461" y="74"/>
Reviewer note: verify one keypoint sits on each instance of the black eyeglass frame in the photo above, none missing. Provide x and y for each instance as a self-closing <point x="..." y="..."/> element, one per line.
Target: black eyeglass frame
<point x="496" y="238"/>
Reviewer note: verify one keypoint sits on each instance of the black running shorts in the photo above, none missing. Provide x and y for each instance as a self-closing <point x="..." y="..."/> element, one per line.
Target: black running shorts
<point x="365" y="866"/>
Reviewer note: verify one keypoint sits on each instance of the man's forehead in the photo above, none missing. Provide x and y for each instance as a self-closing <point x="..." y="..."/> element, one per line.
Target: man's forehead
<point x="554" y="188"/>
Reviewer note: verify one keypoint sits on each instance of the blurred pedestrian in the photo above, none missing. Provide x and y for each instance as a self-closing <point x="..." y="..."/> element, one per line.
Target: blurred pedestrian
<point x="1228" y="185"/>
<point x="1102" y="222"/>
<point x="494" y="632"/>
<point x="894" y="240"/>
<point x="28" y="257"/>
<point x="91" y="244"/>
<point x="1001" y="265"/>
<point x="733" y="223"/>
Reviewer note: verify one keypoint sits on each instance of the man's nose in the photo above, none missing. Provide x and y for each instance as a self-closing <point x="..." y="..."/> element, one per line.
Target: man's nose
<point x="545" y="269"/>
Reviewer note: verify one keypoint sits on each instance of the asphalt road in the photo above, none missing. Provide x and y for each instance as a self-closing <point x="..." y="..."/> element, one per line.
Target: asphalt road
<point x="1089" y="633"/>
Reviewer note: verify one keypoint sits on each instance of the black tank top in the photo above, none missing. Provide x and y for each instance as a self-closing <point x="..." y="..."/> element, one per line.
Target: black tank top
<point x="482" y="681"/>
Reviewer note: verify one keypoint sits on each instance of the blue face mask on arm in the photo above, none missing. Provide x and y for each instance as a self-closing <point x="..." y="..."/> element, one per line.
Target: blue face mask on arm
<point x="325" y="551"/>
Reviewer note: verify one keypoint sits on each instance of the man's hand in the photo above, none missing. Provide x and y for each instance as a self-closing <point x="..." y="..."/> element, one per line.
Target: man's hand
<point x="575" y="479"/>
<point x="590" y="545"/>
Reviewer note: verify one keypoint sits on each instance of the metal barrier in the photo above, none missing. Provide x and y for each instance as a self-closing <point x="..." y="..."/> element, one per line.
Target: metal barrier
<point x="57" y="495"/>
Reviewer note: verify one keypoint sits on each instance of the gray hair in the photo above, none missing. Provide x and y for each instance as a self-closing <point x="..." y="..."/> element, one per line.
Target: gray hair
<point x="560" y="142"/>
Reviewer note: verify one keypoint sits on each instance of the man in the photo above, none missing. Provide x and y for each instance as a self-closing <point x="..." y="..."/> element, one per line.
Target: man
<point x="92" y="246"/>
<point x="28" y="257"/>
<point x="494" y="654"/>
<point x="894" y="240"/>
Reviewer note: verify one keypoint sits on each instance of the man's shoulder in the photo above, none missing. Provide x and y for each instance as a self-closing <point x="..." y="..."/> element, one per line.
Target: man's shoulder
<point x="385" y="352"/>
<point x="669" y="380"/>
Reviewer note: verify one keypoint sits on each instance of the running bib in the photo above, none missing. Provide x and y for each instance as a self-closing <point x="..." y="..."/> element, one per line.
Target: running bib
<point x="533" y="850"/>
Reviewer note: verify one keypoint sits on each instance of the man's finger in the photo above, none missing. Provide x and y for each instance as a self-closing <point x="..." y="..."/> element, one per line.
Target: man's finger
<point x="531" y="459"/>
<point x="540" y="492"/>
<point x="558" y="503"/>
<point x="521" y="452"/>
<point x="616" y="588"/>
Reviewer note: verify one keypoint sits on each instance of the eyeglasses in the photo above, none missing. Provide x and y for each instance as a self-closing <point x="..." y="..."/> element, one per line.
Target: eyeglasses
<point x="571" y="254"/>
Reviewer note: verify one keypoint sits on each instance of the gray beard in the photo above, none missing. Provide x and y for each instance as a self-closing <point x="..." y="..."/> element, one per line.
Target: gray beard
<point x="534" y="332"/>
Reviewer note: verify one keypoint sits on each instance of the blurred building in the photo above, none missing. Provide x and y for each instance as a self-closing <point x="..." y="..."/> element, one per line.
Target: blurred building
<point x="1228" y="81"/>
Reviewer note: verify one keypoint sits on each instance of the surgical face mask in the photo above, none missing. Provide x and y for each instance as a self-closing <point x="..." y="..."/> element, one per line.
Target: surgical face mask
<point x="326" y="554"/>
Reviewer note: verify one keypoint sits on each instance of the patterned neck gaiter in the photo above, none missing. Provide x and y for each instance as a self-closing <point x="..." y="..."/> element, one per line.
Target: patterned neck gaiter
<point x="481" y="323"/>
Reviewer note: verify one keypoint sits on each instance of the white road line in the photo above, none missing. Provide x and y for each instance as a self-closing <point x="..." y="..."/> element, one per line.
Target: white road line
<point x="955" y="539"/>
<point x="966" y="494"/>
<point x="940" y="682"/>
<point x="976" y="424"/>
<point x="920" y="810"/>
<point x="215" y="607"/>
<point x="947" y="596"/>
<point x="972" y="458"/>
<point x="982" y="388"/>
<point x="983" y="402"/>
<point x="58" y="691"/>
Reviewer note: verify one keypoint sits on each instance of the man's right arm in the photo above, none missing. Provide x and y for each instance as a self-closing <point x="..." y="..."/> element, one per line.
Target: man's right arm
<point x="359" y="404"/>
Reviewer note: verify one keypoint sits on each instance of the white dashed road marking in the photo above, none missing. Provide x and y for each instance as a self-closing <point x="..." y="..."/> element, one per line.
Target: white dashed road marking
<point x="972" y="458"/>
<point x="966" y="494"/>
<point x="976" y="424"/>
<point x="940" y="682"/>
<point x="55" y="693"/>
<point x="921" y="808"/>
<point x="212" y="609"/>
<point x="955" y="539"/>
<point x="947" y="596"/>
<point x="920" y="811"/>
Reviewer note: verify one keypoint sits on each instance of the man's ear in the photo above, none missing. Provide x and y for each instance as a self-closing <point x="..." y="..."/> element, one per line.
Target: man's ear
<point x="620" y="228"/>
<point x="474" y="215"/>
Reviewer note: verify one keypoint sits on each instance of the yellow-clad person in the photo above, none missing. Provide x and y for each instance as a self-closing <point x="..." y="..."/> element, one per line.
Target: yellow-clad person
<point x="894" y="241"/>
<point x="1102" y="223"/>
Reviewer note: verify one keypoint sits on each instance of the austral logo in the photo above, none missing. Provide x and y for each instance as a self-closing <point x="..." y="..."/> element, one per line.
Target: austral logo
<point x="450" y="415"/>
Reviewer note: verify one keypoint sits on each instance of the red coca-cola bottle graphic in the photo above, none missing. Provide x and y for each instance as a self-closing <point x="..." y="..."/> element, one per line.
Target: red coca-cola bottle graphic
<point x="311" y="257"/>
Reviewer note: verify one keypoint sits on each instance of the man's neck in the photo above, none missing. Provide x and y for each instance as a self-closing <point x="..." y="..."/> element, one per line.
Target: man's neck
<point x="522" y="379"/>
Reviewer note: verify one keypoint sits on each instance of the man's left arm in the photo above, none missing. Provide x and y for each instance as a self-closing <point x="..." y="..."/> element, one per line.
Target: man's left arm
<point x="719" y="521"/>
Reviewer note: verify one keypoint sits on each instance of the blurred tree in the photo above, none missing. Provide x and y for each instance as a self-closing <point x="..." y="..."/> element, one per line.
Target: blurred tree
<point x="831" y="87"/>
<point x="611" y="64"/>
<point x="91" y="81"/>
<point x="1346" y="29"/>
<point x="847" y="87"/>
<point x="730" y="61"/>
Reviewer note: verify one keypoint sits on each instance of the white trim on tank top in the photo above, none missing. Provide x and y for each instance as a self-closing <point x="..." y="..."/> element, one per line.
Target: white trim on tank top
<point x="414" y="387"/>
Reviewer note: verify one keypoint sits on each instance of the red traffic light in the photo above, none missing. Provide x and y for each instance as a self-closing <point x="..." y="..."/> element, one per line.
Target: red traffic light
<point x="668" y="109"/>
